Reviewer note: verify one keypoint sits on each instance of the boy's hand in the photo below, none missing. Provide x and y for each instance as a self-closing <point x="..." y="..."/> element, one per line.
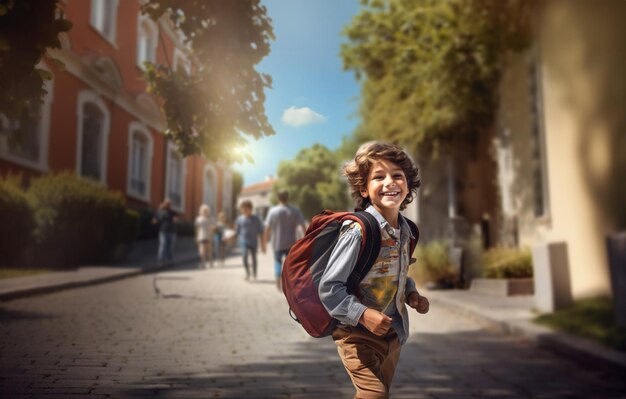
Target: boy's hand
<point x="375" y="321"/>
<point x="418" y="302"/>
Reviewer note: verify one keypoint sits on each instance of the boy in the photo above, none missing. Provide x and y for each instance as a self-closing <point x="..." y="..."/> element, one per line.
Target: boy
<point x="249" y="229"/>
<point x="374" y="324"/>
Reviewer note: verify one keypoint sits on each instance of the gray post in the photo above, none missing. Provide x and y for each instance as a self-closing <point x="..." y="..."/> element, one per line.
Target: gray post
<point x="551" y="276"/>
<point x="616" y="246"/>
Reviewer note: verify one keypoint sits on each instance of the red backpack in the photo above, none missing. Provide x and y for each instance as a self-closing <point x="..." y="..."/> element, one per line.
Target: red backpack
<point x="308" y="258"/>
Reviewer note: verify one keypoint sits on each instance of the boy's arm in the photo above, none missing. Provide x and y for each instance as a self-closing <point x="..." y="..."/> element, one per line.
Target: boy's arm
<point x="414" y="299"/>
<point x="332" y="290"/>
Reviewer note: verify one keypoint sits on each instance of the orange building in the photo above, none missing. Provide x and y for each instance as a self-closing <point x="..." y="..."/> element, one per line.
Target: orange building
<point x="98" y="121"/>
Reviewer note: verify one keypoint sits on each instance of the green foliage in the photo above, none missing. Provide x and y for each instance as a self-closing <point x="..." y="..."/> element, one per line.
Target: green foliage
<point x="185" y="228"/>
<point x="434" y="265"/>
<point x="502" y="262"/>
<point x="17" y="222"/>
<point x="430" y="68"/>
<point x="146" y="228"/>
<point x="592" y="318"/>
<point x="77" y="220"/>
<point x="313" y="181"/>
<point x="27" y="29"/>
<point x="212" y="111"/>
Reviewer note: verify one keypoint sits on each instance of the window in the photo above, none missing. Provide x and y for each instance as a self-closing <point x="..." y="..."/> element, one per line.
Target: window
<point x="540" y="187"/>
<point x="93" y="132"/>
<point x="209" y="195"/>
<point x="104" y="17"/>
<point x="227" y="188"/>
<point x="147" y="40"/>
<point x="181" y="61"/>
<point x="25" y="141"/>
<point x="139" y="161"/>
<point x="174" y="179"/>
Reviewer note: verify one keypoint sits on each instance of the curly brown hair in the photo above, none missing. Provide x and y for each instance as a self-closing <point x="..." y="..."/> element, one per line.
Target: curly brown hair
<point x="358" y="170"/>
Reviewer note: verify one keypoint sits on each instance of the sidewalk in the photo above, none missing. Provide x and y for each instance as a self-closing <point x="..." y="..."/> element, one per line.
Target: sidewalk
<point x="141" y="259"/>
<point x="513" y="315"/>
<point x="510" y="315"/>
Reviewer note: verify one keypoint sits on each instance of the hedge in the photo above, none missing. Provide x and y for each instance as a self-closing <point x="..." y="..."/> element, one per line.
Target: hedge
<point x="78" y="221"/>
<point x="17" y="222"/>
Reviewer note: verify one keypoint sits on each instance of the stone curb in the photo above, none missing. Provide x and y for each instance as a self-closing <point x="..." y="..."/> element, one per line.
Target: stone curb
<point x="584" y="351"/>
<point x="25" y="292"/>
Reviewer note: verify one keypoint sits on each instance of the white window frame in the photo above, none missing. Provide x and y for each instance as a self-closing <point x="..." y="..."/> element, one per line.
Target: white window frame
<point x="537" y="115"/>
<point x="180" y="57"/>
<point x="137" y="128"/>
<point x="97" y="19"/>
<point x="44" y="133"/>
<point x="183" y="173"/>
<point x="84" y="97"/>
<point x="209" y="191"/>
<point x="227" y="190"/>
<point x="147" y="31"/>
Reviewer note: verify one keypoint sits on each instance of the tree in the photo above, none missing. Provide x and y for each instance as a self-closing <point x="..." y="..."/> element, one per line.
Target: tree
<point x="27" y="29"/>
<point x="313" y="180"/>
<point x="430" y="68"/>
<point x="211" y="111"/>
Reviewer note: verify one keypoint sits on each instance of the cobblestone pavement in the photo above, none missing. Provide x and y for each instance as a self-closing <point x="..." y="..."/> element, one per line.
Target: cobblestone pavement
<point x="212" y="334"/>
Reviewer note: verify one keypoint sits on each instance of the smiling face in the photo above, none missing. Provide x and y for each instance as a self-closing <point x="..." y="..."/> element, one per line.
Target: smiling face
<point x="386" y="188"/>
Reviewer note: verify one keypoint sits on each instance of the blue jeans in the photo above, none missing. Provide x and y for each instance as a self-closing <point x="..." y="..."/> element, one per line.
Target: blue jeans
<point x="278" y="259"/>
<point x="245" y="250"/>
<point x="166" y="246"/>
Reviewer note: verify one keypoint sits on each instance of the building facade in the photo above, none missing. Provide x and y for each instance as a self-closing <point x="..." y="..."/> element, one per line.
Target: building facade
<point x="561" y="142"/>
<point x="98" y="121"/>
<point x="260" y="196"/>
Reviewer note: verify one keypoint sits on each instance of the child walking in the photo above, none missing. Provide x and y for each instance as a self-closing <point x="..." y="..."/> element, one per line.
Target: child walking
<point x="249" y="230"/>
<point x="374" y="323"/>
<point x="204" y="232"/>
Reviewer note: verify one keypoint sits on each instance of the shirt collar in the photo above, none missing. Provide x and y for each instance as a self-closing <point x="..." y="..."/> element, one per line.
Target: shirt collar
<point x="405" y="230"/>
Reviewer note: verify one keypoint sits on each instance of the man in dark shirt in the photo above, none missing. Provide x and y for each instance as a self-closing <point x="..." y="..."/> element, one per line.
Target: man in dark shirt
<point x="166" y="218"/>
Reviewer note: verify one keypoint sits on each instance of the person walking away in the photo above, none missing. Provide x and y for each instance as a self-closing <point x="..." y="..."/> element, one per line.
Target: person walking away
<point x="204" y="236"/>
<point x="373" y="324"/>
<point x="219" y="246"/>
<point x="166" y="218"/>
<point x="281" y="224"/>
<point x="249" y="231"/>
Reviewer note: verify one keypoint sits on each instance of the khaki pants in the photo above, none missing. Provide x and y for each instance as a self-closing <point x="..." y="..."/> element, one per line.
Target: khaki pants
<point x="369" y="360"/>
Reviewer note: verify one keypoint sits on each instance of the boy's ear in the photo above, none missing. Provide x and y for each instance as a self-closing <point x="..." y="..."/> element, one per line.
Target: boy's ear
<point x="363" y="193"/>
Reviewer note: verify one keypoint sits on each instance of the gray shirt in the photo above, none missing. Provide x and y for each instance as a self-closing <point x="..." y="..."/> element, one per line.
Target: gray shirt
<point x="283" y="220"/>
<point x="347" y="308"/>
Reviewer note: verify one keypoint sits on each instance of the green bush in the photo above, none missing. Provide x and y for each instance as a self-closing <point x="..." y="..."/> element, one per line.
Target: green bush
<point x="17" y="222"/>
<point x="185" y="229"/>
<point x="502" y="262"/>
<point x="434" y="265"/>
<point x="146" y="228"/>
<point x="130" y="228"/>
<point x="78" y="221"/>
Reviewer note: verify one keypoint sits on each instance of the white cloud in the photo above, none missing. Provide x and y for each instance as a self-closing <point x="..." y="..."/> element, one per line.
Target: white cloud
<point x="293" y="116"/>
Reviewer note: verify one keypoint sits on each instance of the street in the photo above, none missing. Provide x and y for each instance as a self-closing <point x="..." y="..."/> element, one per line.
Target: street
<point x="211" y="334"/>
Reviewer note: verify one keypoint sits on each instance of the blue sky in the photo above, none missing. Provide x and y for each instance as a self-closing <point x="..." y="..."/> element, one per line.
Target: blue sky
<point x="308" y="82"/>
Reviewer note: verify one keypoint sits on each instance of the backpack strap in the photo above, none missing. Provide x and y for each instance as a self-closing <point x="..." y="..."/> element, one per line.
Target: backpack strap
<point x="416" y="235"/>
<point x="369" y="253"/>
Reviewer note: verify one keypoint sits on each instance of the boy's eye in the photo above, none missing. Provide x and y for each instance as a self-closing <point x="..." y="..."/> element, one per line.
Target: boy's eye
<point x="398" y="176"/>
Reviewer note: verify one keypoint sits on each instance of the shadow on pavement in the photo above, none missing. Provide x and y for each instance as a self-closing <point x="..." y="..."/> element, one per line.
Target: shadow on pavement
<point x="14" y="315"/>
<point x="475" y="364"/>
